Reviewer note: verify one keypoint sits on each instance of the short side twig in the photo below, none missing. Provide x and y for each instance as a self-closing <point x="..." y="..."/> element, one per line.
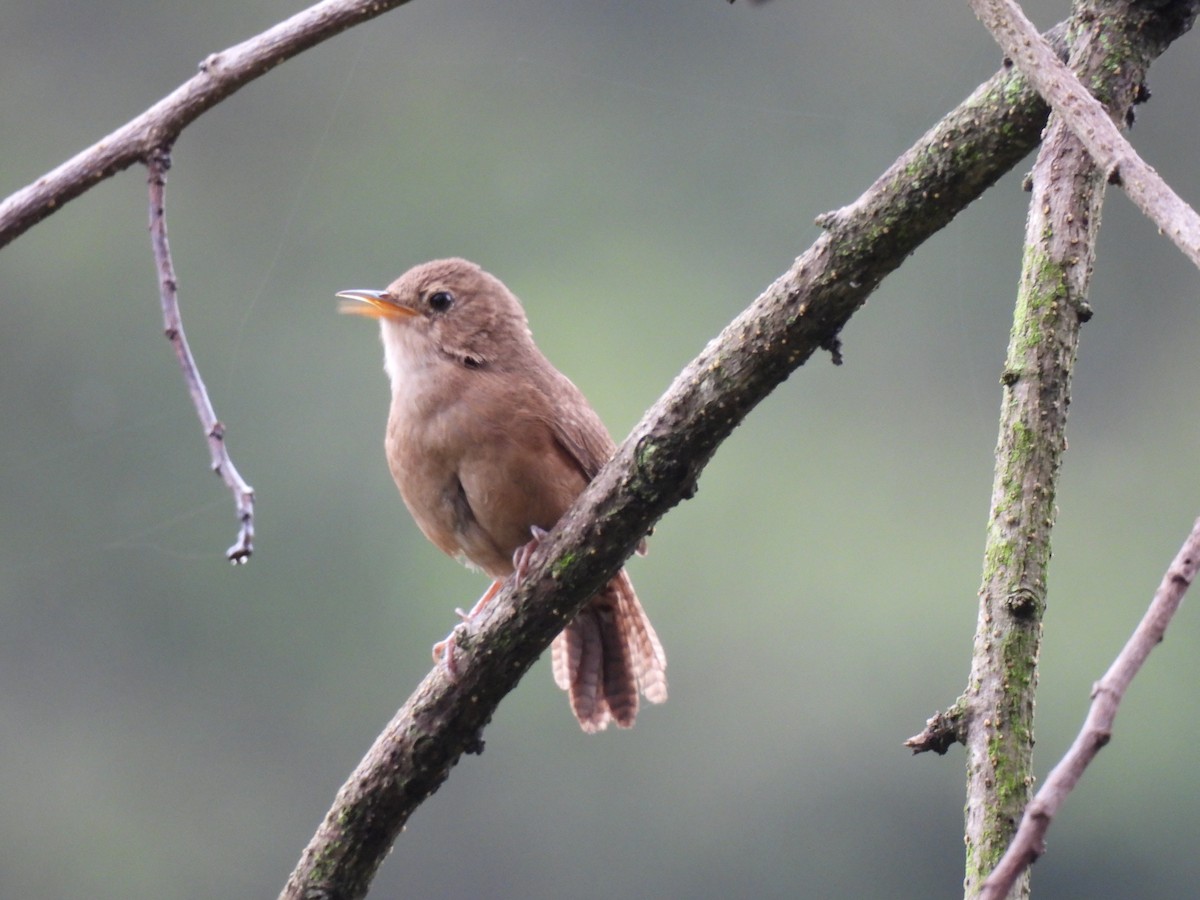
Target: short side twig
<point x="1029" y="842"/>
<point x="942" y="730"/>
<point x="1088" y="120"/>
<point x="243" y="495"/>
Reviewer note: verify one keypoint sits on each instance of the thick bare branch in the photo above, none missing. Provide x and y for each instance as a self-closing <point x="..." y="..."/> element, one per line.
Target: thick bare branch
<point x="220" y="75"/>
<point x="1088" y="119"/>
<point x="243" y="495"/>
<point x="1107" y="694"/>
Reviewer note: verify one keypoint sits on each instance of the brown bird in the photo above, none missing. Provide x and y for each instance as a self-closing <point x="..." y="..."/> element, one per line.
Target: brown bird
<point x="489" y="444"/>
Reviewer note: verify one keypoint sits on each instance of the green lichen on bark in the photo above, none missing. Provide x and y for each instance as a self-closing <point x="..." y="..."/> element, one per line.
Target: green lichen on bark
<point x="1017" y="553"/>
<point x="1112" y="42"/>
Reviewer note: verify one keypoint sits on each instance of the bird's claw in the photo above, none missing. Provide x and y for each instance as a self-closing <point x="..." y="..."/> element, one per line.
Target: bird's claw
<point x="525" y="552"/>
<point x="444" y="650"/>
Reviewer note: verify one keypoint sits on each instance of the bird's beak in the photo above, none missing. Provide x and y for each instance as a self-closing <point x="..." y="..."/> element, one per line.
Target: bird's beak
<point x="373" y="305"/>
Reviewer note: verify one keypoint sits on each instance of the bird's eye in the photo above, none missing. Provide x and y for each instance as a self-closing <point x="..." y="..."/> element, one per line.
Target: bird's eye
<point x="440" y="301"/>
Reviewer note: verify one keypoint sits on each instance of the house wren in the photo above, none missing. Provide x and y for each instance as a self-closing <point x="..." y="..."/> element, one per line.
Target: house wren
<point x="489" y="444"/>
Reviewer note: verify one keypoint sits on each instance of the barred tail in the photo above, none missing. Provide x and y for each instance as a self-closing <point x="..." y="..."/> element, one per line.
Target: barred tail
<point x="607" y="655"/>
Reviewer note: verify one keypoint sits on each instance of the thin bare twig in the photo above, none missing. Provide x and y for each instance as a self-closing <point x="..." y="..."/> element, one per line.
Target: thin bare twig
<point x="146" y="139"/>
<point x="243" y="495"/>
<point x="220" y="75"/>
<point x="1087" y="118"/>
<point x="1029" y="842"/>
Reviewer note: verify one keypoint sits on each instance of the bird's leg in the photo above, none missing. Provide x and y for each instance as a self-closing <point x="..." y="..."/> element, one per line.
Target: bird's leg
<point x="483" y="601"/>
<point x="443" y="650"/>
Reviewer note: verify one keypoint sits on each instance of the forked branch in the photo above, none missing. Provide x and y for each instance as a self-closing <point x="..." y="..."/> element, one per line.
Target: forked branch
<point x="1086" y="116"/>
<point x="220" y="75"/>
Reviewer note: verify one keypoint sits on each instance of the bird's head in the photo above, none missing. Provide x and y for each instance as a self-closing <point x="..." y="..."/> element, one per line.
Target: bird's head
<point x="450" y="309"/>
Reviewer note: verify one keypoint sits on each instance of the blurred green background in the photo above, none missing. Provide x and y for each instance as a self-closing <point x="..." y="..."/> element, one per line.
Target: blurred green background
<point x="172" y="727"/>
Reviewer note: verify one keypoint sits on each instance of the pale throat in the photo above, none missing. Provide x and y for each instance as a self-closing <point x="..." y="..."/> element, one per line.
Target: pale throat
<point x="406" y="354"/>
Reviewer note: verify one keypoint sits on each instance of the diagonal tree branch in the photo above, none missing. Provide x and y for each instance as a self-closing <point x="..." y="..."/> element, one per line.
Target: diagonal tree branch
<point x="804" y="310"/>
<point x="1087" y="118"/>
<point x="1029" y="843"/>
<point x="220" y="75"/>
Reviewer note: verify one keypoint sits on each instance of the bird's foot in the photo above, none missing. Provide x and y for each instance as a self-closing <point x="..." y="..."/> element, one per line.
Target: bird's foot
<point x="443" y="650"/>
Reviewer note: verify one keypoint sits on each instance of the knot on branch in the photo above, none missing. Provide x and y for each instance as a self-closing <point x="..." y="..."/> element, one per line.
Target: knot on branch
<point x="830" y="220"/>
<point x="474" y="745"/>
<point x="658" y="467"/>
<point x="1023" y="602"/>
<point x="833" y="346"/>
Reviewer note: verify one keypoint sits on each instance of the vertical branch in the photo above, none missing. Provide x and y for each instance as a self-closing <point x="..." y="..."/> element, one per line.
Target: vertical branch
<point x="1060" y="235"/>
<point x="1067" y="191"/>
<point x="243" y="495"/>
